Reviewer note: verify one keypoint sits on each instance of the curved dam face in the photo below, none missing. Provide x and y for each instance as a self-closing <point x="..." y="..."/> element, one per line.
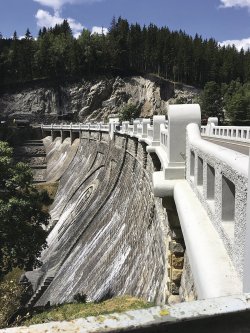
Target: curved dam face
<point x="109" y="233"/>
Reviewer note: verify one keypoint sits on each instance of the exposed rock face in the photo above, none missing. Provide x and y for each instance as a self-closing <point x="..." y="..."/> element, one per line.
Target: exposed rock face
<point x="184" y="94"/>
<point x="110" y="233"/>
<point x="88" y="100"/>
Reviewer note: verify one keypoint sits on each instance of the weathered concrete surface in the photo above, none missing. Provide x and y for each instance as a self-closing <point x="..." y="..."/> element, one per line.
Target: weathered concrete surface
<point x="59" y="156"/>
<point x="111" y="234"/>
<point x="225" y="314"/>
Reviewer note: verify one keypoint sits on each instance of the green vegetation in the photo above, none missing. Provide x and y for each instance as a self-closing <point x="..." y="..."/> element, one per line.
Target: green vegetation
<point x="22" y="221"/>
<point x="127" y="48"/>
<point x="130" y="111"/>
<point x="236" y="101"/>
<point x="10" y="295"/>
<point x="230" y="101"/>
<point x="211" y="100"/>
<point x="82" y="310"/>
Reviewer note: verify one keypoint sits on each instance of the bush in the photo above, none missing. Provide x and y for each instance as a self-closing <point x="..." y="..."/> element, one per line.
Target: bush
<point x="130" y="111"/>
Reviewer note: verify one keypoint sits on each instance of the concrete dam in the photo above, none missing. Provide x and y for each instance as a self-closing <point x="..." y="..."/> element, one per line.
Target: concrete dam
<point x="109" y="234"/>
<point x="156" y="210"/>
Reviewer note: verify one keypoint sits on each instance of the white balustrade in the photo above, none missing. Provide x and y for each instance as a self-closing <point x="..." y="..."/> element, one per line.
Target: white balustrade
<point x="219" y="177"/>
<point x="233" y="133"/>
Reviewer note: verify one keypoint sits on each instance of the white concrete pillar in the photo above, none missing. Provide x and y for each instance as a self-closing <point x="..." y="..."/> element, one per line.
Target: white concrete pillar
<point x="135" y="124"/>
<point x="112" y="129"/>
<point x="179" y="116"/>
<point x="157" y="121"/>
<point x="145" y="123"/>
<point x="125" y="126"/>
<point x="246" y="263"/>
<point x="211" y="122"/>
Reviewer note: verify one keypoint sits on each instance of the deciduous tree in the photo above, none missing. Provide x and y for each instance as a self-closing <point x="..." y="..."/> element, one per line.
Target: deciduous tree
<point x="22" y="221"/>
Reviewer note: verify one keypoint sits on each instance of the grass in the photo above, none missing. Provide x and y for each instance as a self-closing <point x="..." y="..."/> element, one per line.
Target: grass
<point x="83" y="310"/>
<point x="10" y="295"/>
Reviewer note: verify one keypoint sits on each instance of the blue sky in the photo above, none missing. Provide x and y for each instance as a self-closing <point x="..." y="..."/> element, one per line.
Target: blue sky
<point x="225" y="20"/>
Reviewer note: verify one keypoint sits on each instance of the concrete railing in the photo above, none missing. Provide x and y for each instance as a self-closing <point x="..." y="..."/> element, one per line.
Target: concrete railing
<point x="234" y="133"/>
<point x="219" y="176"/>
<point x="209" y="186"/>
<point x="77" y="127"/>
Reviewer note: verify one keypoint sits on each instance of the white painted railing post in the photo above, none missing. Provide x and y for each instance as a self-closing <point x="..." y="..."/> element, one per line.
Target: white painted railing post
<point x="125" y="126"/>
<point x="246" y="264"/>
<point x="112" y="129"/>
<point x="157" y="121"/>
<point x="145" y="123"/>
<point x="211" y="122"/>
<point x="135" y="124"/>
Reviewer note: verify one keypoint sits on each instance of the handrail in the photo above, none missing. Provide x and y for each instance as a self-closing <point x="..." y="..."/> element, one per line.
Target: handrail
<point x="233" y="133"/>
<point x="219" y="177"/>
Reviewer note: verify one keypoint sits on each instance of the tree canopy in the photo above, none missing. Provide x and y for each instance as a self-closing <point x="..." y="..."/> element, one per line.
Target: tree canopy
<point x="223" y="71"/>
<point x="129" y="48"/>
<point x="22" y="221"/>
<point x="229" y="102"/>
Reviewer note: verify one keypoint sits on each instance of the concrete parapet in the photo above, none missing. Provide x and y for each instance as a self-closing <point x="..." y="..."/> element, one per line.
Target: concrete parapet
<point x="214" y="275"/>
<point x="219" y="178"/>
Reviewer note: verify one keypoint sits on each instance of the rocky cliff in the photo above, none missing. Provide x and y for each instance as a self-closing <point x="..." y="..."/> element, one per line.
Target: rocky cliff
<point x="87" y="100"/>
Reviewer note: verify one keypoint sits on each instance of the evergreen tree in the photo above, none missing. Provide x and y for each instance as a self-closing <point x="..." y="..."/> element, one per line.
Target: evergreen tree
<point x="15" y="37"/>
<point x="211" y="100"/>
<point x="128" y="48"/>
<point x="28" y="34"/>
<point x="22" y="233"/>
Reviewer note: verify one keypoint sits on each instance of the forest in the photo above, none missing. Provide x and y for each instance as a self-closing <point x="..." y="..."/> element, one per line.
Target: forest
<point x="130" y="49"/>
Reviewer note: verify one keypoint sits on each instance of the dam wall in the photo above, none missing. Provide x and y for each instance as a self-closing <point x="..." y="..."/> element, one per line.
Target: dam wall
<point x="109" y="234"/>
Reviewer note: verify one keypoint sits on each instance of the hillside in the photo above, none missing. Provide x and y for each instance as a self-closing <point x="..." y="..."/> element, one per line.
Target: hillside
<point x="93" y="99"/>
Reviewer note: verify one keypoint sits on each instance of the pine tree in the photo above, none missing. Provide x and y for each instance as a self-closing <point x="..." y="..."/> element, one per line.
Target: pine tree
<point x="211" y="100"/>
<point x="28" y="34"/>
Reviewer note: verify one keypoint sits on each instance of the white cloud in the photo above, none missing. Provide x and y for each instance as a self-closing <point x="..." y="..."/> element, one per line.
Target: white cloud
<point x="58" y="4"/>
<point x="235" y="3"/>
<point x="99" y="30"/>
<point x="45" y="19"/>
<point x="239" y="43"/>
